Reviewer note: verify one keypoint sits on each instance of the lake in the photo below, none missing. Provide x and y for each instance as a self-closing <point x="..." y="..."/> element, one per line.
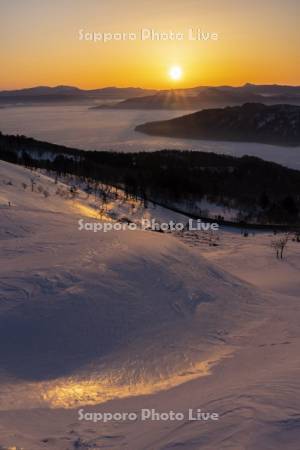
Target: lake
<point x="80" y="127"/>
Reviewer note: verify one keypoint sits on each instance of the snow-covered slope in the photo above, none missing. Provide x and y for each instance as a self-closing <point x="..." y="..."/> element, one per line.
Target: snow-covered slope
<point x="78" y="302"/>
<point x="90" y="317"/>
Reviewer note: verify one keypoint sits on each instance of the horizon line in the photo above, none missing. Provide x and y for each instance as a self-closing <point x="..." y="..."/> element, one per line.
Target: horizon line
<point x="145" y="88"/>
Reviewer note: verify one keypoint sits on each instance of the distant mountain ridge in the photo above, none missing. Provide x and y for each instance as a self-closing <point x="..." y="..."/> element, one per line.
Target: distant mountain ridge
<point x="70" y="93"/>
<point x="251" y="122"/>
<point x="194" y="98"/>
<point x="213" y="97"/>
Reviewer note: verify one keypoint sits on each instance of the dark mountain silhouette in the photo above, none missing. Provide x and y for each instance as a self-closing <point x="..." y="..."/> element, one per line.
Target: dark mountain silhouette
<point x="251" y="122"/>
<point x="212" y="97"/>
<point x="42" y="94"/>
<point x="136" y="98"/>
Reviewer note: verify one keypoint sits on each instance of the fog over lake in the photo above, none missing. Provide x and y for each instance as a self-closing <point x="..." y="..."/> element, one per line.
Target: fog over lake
<point x="80" y="127"/>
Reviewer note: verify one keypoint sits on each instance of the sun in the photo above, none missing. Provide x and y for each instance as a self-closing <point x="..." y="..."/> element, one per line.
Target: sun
<point x="175" y="73"/>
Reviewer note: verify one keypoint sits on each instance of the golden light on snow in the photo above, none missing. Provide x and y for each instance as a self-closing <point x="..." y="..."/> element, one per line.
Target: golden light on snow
<point x="71" y="392"/>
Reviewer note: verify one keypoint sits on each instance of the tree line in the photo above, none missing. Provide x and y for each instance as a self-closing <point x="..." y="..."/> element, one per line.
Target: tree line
<point x="261" y="191"/>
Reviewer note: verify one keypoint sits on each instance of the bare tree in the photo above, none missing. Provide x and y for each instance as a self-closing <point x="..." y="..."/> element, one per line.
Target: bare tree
<point x="280" y="244"/>
<point x="96" y="188"/>
<point x="73" y="191"/>
<point x="33" y="183"/>
<point x="101" y="210"/>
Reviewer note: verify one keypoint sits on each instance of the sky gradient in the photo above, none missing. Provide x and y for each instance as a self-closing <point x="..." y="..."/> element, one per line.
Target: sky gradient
<point x="258" y="42"/>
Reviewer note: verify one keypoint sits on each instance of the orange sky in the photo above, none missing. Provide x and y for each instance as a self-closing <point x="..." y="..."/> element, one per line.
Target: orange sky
<point x="258" y="42"/>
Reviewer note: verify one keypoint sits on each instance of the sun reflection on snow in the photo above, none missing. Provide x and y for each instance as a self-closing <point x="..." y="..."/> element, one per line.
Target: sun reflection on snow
<point x="70" y="392"/>
<point x="89" y="211"/>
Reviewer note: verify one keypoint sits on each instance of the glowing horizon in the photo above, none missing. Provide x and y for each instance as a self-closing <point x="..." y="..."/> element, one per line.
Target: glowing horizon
<point x="257" y="43"/>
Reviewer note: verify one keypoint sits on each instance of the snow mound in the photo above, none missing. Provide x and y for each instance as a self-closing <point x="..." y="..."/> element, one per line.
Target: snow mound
<point x="90" y="316"/>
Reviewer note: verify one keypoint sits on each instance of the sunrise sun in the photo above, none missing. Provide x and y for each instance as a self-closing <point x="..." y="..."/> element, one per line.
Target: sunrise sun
<point x="175" y="73"/>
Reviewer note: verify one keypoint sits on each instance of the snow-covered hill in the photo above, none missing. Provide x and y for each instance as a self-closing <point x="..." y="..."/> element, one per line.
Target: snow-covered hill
<point x="133" y="318"/>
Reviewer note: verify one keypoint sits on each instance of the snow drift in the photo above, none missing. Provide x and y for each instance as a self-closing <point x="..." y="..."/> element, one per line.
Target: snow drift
<point x="130" y="312"/>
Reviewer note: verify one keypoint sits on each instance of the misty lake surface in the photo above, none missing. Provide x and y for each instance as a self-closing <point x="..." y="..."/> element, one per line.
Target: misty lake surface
<point x="104" y="129"/>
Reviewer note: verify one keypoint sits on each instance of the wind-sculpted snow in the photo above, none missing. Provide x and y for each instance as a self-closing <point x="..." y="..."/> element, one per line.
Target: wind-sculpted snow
<point x="131" y="311"/>
<point x="125" y="320"/>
